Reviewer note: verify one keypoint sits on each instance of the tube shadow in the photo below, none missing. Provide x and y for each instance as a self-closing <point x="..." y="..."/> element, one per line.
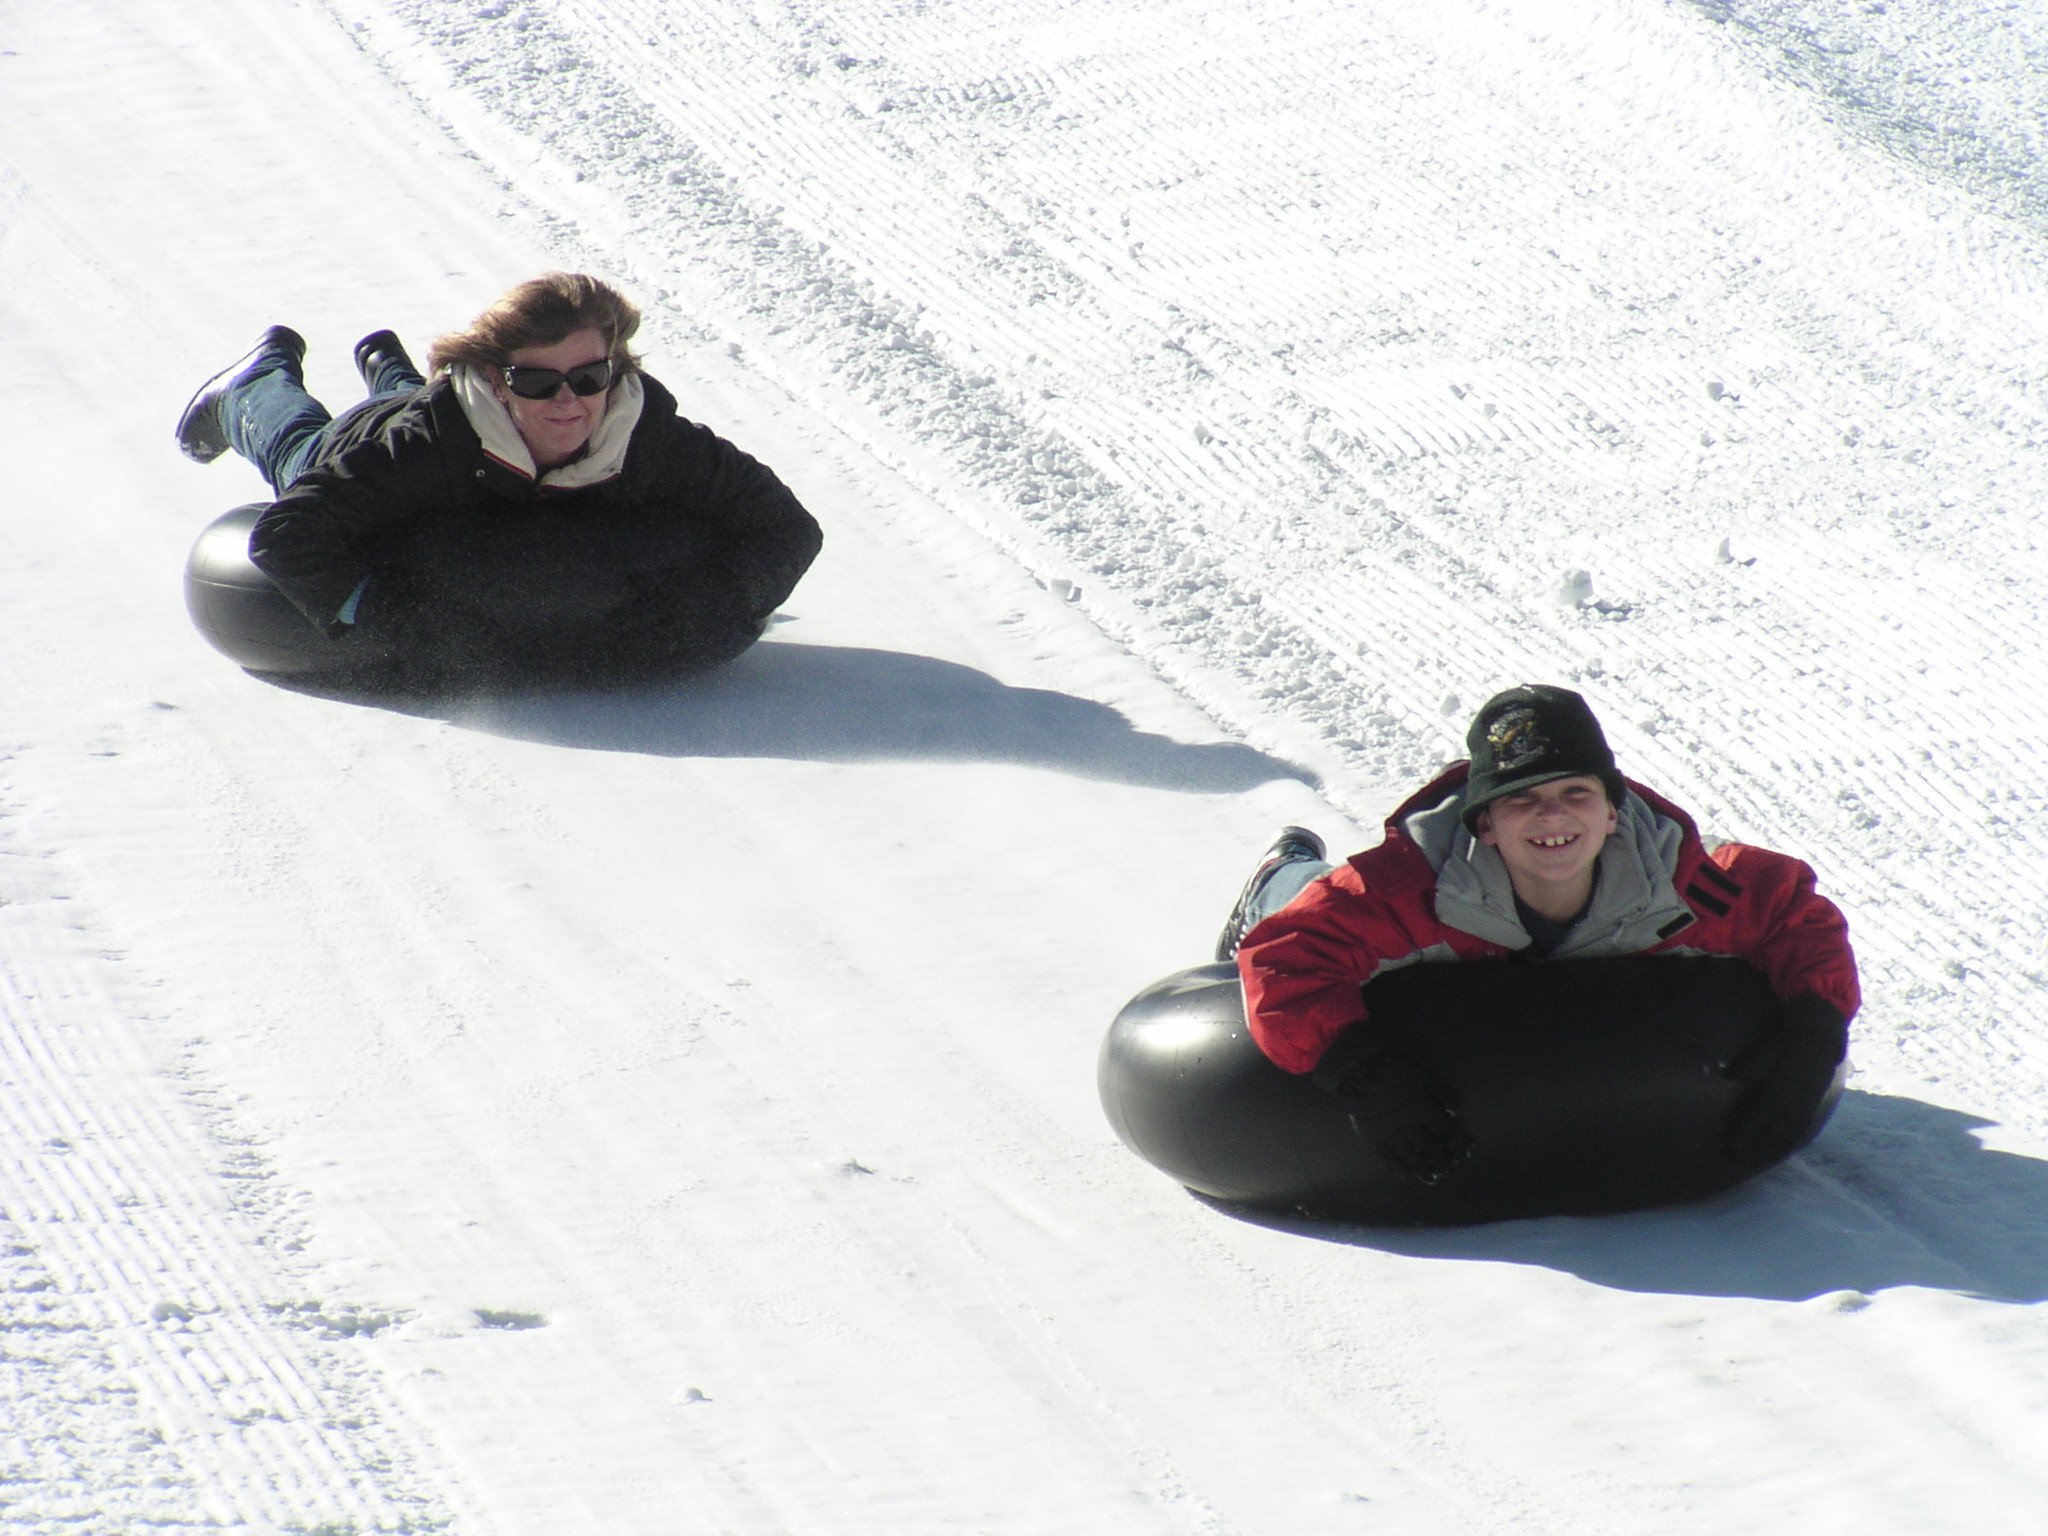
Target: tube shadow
<point x="1896" y="1192"/>
<point x="847" y="704"/>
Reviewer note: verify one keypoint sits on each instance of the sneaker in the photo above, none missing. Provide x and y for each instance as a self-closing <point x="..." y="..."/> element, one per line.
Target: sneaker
<point x="379" y="351"/>
<point x="1293" y="845"/>
<point x="202" y="435"/>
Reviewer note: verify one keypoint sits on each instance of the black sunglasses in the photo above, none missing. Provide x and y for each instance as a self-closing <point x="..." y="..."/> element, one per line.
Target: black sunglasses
<point x="542" y="383"/>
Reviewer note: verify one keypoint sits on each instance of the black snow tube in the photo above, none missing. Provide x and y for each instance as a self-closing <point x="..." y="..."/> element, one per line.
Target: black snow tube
<point x="246" y="618"/>
<point x="240" y="611"/>
<point x="1587" y="1086"/>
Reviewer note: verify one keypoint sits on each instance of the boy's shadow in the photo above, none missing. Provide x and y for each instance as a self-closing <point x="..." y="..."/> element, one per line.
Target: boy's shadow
<point x="1895" y="1192"/>
<point x="848" y="704"/>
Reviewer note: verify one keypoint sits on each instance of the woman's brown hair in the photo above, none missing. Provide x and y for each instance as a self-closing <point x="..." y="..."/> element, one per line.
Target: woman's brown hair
<point x="538" y="313"/>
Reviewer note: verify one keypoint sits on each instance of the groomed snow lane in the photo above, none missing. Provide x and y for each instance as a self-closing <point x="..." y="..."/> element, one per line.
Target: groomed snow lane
<point x="674" y="1110"/>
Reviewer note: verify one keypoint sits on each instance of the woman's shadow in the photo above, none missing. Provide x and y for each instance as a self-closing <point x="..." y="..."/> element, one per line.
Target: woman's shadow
<point x="847" y="704"/>
<point x="1896" y="1192"/>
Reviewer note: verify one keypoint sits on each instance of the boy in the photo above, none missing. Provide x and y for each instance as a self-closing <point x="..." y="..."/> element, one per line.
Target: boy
<point x="1536" y="849"/>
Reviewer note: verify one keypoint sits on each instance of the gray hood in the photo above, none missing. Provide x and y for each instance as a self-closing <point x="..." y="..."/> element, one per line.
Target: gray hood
<point x="1635" y="903"/>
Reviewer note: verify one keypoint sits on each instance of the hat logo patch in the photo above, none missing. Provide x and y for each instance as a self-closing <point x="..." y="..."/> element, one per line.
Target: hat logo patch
<point x="1515" y="739"/>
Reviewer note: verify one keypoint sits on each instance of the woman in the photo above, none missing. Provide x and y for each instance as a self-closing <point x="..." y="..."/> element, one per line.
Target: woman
<point x="538" y="511"/>
<point x="1536" y="849"/>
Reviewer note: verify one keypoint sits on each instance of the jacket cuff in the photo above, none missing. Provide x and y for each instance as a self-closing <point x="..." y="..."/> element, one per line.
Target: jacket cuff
<point x="1361" y="1045"/>
<point x="1817" y="1021"/>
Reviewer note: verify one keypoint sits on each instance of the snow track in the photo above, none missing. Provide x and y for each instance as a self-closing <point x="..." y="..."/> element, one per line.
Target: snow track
<point x="1481" y="298"/>
<point x="672" y="1110"/>
<point x="166" y="1367"/>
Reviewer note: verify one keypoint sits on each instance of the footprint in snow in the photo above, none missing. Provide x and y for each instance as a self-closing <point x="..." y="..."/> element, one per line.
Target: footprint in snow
<point x="490" y="1317"/>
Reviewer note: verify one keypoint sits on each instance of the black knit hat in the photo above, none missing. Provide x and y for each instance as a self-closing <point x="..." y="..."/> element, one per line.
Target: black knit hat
<point x="1530" y="735"/>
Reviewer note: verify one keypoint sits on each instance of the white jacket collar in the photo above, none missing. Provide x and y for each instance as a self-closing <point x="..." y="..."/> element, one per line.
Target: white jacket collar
<point x="604" y="457"/>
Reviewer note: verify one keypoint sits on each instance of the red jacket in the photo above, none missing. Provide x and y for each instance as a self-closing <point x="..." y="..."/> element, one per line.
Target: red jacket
<point x="1430" y="892"/>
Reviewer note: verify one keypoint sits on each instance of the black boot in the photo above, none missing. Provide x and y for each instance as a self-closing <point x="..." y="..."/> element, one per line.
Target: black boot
<point x="381" y="360"/>
<point x="1293" y="845"/>
<point x="202" y="435"/>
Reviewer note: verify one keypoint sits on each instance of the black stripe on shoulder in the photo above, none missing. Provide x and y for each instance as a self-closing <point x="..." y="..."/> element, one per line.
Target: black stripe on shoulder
<point x="1677" y="925"/>
<point x="1707" y="899"/>
<point x="1714" y="872"/>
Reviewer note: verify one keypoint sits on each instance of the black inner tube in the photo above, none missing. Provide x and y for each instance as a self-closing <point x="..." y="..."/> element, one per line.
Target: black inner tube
<point x="240" y="611"/>
<point x="1587" y="1086"/>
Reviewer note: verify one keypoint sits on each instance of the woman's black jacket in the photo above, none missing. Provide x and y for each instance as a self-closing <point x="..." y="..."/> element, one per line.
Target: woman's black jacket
<point x="680" y="557"/>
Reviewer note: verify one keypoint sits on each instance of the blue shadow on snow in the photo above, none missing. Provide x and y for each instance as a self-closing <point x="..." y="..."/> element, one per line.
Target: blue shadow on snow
<point x="1895" y="1192"/>
<point x="849" y="704"/>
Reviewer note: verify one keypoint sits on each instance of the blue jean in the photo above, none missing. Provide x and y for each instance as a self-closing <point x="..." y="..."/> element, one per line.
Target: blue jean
<point x="273" y="423"/>
<point x="1288" y="882"/>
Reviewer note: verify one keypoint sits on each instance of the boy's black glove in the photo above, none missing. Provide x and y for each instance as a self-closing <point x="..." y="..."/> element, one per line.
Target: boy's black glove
<point x="1394" y="1105"/>
<point x="1788" y="1071"/>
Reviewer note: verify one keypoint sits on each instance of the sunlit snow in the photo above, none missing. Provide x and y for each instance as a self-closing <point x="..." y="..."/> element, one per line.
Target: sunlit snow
<point x="674" y="1110"/>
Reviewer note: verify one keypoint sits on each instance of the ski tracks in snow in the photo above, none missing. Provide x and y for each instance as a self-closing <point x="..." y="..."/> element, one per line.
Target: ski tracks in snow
<point x="1318" y="349"/>
<point x="661" y="1184"/>
<point x="166" y="1365"/>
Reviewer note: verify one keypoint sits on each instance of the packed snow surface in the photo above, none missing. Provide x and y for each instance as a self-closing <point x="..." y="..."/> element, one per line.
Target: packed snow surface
<point x="673" y="1110"/>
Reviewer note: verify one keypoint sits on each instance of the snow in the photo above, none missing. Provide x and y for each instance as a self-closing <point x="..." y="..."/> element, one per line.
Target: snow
<point x="674" y="1110"/>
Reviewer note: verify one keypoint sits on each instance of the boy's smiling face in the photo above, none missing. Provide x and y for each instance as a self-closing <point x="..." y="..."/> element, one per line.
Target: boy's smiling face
<point x="1549" y="834"/>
